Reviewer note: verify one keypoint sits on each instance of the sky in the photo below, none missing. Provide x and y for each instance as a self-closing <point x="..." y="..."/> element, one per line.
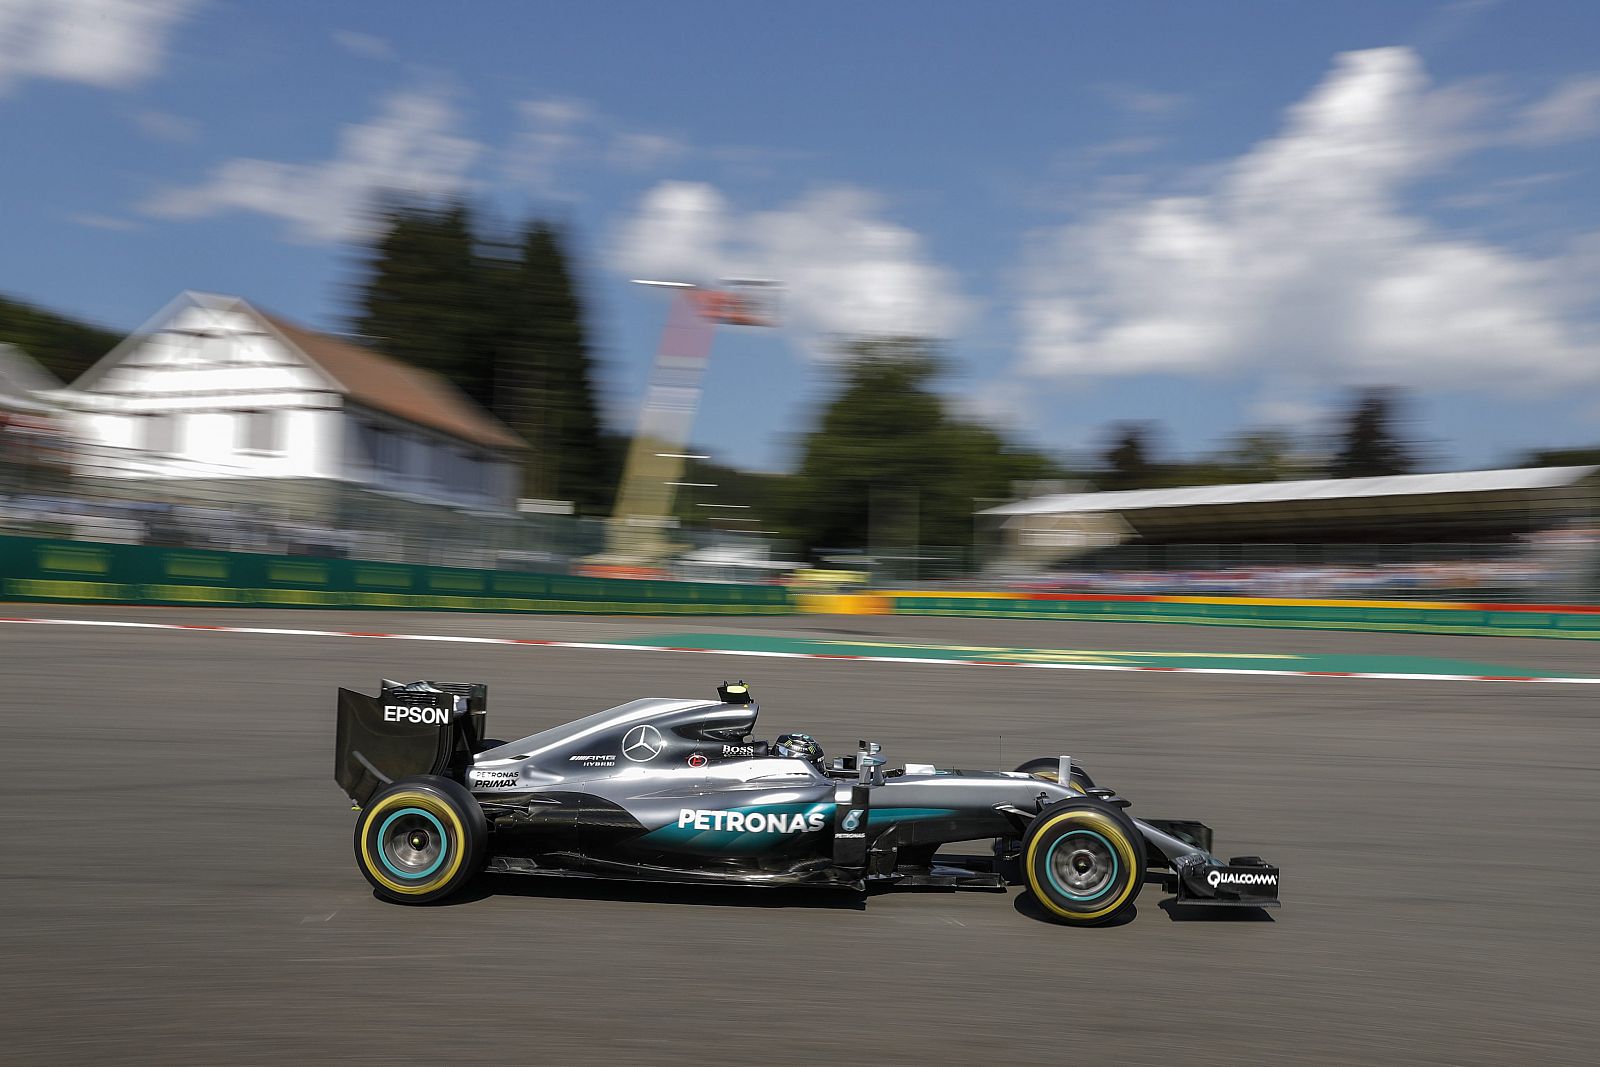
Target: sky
<point x="1214" y="217"/>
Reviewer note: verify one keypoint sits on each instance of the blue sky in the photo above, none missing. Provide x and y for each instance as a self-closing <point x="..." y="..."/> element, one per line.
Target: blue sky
<point x="1214" y="216"/>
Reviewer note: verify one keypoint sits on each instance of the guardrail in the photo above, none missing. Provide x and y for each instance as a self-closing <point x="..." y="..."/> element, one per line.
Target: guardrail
<point x="1400" y="616"/>
<point x="44" y="569"/>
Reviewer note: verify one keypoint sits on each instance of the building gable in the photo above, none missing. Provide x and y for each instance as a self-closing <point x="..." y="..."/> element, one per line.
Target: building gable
<point x="203" y="349"/>
<point x="200" y="350"/>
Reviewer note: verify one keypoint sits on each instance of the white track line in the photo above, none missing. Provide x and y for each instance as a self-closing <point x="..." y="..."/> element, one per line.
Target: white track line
<point x="920" y="660"/>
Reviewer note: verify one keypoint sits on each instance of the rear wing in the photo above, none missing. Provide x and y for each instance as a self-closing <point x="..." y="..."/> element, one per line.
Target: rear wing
<point x="407" y="729"/>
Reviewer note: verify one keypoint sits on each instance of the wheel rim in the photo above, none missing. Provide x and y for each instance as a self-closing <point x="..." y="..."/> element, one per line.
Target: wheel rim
<point x="412" y="843"/>
<point x="1082" y="865"/>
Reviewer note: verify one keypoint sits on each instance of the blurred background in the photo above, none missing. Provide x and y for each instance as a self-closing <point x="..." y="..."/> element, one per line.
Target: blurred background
<point x="1293" y="307"/>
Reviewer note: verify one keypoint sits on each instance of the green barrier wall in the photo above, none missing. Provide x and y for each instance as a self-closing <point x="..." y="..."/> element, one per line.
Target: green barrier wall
<point x="1472" y="619"/>
<point x="36" y="569"/>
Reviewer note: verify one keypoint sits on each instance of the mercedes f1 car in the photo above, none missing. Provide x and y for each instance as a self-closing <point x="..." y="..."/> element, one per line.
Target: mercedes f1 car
<point x="677" y="791"/>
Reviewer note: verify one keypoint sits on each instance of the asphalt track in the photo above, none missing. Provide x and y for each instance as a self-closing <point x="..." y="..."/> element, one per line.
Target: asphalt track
<point x="178" y="886"/>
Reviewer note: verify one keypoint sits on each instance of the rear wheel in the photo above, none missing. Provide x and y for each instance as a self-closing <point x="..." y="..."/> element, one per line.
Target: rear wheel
<point x="1049" y="768"/>
<point x="1084" y="861"/>
<point x="420" y="839"/>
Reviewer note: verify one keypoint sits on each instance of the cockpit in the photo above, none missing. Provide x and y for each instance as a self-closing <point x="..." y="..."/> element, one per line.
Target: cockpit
<point x="660" y="735"/>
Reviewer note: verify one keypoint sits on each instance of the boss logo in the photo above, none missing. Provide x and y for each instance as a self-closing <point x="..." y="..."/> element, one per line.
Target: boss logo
<point x="412" y="713"/>
<point x="738" y="750"/>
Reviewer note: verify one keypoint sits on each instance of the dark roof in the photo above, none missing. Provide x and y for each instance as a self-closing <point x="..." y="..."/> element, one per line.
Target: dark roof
<point x="385" y="384"/>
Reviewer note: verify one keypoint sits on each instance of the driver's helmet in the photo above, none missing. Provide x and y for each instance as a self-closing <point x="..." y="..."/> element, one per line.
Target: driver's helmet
<point x="798" y="746"/>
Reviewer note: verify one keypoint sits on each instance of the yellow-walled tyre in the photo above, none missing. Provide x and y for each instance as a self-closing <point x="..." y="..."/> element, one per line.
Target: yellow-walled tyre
<point x="1084" y="861"/>
<point x="1049" y="768"/>
<point x="420" y="839"/>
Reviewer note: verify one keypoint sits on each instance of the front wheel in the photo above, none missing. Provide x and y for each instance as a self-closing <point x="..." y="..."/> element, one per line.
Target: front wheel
<point x="1084" y="861"/>
<point x="420" y="839"/>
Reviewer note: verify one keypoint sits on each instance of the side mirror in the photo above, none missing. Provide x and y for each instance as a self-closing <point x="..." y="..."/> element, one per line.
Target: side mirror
<point x="869" y="763"/>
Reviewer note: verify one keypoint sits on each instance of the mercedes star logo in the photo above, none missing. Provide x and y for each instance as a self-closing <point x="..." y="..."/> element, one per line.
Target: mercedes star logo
<point x="642" y="744"/>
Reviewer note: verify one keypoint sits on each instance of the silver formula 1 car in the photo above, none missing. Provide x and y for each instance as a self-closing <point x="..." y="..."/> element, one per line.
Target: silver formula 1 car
<point x="676" y="791"/>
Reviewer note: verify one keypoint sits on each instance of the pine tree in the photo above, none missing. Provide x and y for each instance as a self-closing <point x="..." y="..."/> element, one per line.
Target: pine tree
<point x="503" y="320"/>
<point x="426" y="296"/>
<point x="546" y="378"/>
<point x="1370" y="445"/>
<point x="1127" y="463"/>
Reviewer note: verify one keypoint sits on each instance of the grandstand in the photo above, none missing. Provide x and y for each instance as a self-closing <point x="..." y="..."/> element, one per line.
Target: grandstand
<point x="1527" y="528"/>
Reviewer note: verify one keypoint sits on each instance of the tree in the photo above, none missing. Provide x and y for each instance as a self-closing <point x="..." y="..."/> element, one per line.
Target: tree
<point x="874" y="439"/>
<point x="1562" y="457"/>
<point x="1370" y="446"/>
<point x="1126" y="463"/>
<point x="65" y="347"/>
<point x="427" y="295"/>
<point x="888" y="468"/>
<point x="1263" y="456"/>
<point x="545" y="377"/>
<point x="504" y="322"/>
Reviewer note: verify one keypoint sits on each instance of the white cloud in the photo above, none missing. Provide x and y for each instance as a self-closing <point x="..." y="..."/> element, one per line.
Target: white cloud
<point x="557" y="135"/>
<point x="109" y="43"/>
<point x="1298" y="257"/>
<point x="103" y="222"/>
<point x="1570" y="112"/>
<point x="408" y="149"/>
<point x="1121" y="147"/>
<point x="845" y="270"/>
<point x="365" y="45"/>
<point x="558" y="139"/>
<point x="411" y="147"/>
<point x="680" y="232"/>
<point x="1004" y="404"/>
<point x="848" y="271"/>
<point x="553" y="133"/>
<point x="634" y="150"/>
<point x="558" y="112"/>
<point x="164" y="126"/>
<point x="1140" y="101"/>
<point x="1504" y="191"/>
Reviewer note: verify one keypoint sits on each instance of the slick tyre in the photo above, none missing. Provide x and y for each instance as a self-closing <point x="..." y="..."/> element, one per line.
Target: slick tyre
<point x="1084" y="861"/>
<point x="420" y="839"/>
<point x="1049" y="768"/>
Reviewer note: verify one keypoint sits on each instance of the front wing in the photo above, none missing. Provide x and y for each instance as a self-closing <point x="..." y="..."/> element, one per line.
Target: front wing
<point x="1201" y="878"/>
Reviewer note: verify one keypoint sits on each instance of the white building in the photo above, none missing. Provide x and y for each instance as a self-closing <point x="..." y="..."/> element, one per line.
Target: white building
<point x="212" y="389"/>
